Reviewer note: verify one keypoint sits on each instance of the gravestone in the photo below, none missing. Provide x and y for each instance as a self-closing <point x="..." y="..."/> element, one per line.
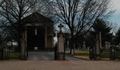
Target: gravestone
<point x="61" y="50"/>
<point x="106" y="45"/>
<point x="88" y="48"/>
<point x="84" y="46"/>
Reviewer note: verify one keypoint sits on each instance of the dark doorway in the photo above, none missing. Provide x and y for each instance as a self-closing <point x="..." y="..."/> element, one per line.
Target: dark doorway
<point x="35" y="38"/>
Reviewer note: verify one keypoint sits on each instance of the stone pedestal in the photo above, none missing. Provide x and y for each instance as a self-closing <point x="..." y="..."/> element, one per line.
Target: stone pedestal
<point x="23" y="55"/>
<point x="61" y="49"/>
<point x="97" y="49"/>
<point x="7" y="54"/>
<point x="23" y="48"/>
<point x="112" y="53"/>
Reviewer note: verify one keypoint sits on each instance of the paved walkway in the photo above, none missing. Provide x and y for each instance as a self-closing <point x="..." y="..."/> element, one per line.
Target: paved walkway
<point x="59" y="65"/>
<point x="45" y="56"/>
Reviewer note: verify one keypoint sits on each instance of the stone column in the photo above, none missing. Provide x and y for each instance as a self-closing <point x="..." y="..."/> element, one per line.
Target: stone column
<point x="97" y="49"/>
<point x="61" y="50"/>
<point x="23" y="46"/>
<point x="26" y="50"/>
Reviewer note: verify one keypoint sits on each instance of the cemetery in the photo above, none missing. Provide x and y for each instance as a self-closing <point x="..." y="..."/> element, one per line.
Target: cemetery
<point x="78" y="26"/>
<point x="59" y="35"/>
<point x="38" y="35"/>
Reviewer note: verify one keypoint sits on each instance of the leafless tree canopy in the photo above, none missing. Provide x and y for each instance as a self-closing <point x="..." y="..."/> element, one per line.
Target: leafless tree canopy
<point x="12" y="11"/>
<point x="15" y="10"/>
<point x="80" y="15"/>
<point x="77" y="15"/>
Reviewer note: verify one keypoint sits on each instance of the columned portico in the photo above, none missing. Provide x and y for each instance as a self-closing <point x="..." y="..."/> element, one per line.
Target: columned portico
<point x="38" y="34"/>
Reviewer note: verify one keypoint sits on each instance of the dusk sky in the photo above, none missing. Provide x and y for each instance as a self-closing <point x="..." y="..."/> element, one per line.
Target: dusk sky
<point x="115" y="18"/>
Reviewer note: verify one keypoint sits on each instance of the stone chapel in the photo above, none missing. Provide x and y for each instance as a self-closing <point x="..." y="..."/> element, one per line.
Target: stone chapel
<point x="38" y="33"/>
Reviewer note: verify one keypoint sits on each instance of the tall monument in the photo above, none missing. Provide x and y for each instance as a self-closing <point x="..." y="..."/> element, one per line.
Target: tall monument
<point x="61" y="51"/>
<point x="97" y="48"/>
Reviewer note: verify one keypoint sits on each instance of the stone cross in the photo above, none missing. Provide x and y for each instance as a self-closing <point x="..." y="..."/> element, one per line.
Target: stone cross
<point x="61" y="50"/>
<point x="60" y="26"/>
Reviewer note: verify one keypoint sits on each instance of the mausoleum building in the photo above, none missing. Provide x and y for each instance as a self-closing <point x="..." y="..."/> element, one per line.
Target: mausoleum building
<point x="38" y="33"/>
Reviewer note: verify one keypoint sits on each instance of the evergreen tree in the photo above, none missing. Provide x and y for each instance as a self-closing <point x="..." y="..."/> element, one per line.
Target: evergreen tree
<point x="102" y="26"/>
<point x="117" y="37"/>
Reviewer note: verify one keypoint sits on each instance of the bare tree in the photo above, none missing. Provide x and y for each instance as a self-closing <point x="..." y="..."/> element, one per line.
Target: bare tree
<point x="14" y="10"/>
<point x="2" y="1"/>
<point x="79" y="15"/>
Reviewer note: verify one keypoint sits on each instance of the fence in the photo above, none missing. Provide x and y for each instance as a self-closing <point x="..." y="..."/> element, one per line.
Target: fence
<point x="1" y="53"/>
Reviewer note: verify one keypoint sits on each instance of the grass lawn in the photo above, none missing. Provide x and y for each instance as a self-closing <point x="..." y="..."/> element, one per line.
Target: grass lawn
<point x="80" y="54"/>
<point x="13" y="55"/>
<point x="105" y="55"/>
<point x="85" y="54"/>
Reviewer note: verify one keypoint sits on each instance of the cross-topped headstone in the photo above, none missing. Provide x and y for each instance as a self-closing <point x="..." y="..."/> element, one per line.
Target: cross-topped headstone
<point x="60" y="26"/>
<point x="61" y="50"/>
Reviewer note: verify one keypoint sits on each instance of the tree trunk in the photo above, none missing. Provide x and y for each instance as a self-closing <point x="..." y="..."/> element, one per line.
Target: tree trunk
<point x="72" y="44"/>
<point x="19" y="36"/>
<point x="19" y="43"/>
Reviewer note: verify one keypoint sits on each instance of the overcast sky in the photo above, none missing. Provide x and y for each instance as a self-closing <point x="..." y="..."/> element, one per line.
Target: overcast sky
<point x="116" y="16"/>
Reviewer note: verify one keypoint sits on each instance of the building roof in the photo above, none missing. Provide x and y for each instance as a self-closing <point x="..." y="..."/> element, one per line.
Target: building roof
<point x="36" y="18"/>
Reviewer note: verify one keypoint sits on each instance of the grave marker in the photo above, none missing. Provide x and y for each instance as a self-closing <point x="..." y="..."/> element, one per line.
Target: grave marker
<point x="61" y="50"/>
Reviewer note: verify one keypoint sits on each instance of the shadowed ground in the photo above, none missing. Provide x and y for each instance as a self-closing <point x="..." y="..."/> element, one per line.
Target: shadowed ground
<point x="45" y="56"/>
